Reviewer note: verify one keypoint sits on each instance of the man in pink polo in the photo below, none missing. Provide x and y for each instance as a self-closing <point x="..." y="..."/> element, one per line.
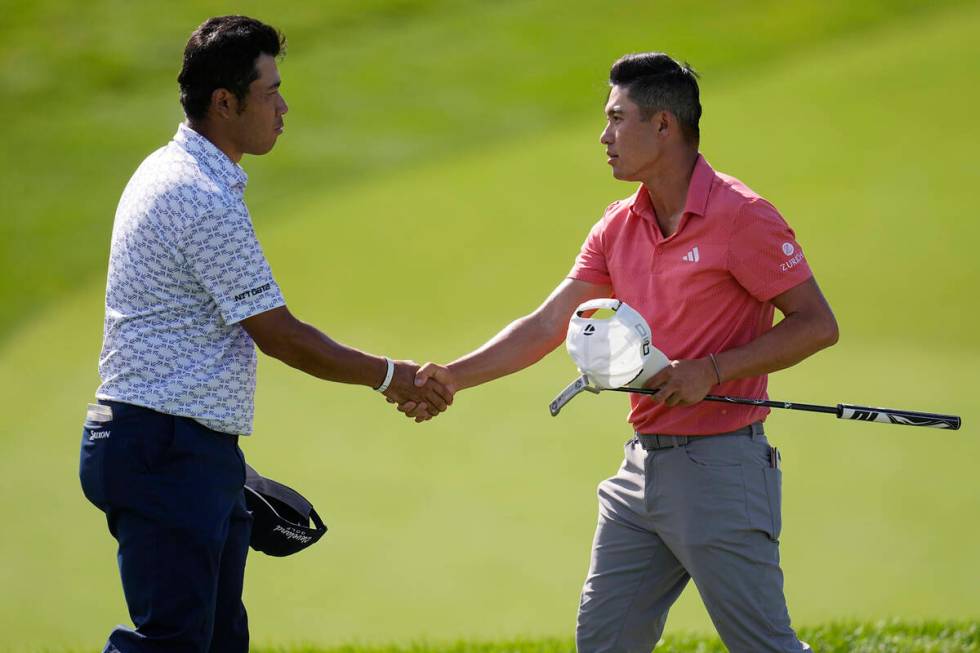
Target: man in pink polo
<point x="706" y="261"/>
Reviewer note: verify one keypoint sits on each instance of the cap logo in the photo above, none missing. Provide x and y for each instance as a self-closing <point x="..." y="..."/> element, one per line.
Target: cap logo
<point x="291" y="534"/>
<point x="614" y="351"/>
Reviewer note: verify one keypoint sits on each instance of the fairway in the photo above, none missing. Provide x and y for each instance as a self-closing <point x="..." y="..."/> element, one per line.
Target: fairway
<point x="477" y="525"/>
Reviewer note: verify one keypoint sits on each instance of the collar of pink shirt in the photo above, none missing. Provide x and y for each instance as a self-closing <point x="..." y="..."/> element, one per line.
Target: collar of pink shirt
<point x="697" y="198"/>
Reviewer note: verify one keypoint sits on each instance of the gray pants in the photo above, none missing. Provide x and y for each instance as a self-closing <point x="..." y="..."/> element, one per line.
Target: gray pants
<point x="707" y="510"/>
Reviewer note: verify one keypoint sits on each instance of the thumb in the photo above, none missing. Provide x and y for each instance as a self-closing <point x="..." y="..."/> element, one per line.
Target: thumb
<point x="422" y="376"/>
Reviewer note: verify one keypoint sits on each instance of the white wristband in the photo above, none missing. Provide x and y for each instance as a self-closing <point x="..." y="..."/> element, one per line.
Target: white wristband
<point x="390" y="373"/>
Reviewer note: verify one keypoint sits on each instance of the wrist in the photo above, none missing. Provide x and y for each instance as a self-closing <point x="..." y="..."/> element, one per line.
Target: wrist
<point x="714" y="369"/>
<point x="389" y="374"/>
<point x="458" y="381"/>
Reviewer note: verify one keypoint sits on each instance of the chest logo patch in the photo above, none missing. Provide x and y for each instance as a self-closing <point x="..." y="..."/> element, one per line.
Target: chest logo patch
<point x="692" y="256"/>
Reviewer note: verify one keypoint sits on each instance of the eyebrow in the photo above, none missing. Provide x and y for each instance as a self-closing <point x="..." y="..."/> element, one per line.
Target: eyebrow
<point x="611" y="111"/>
<point x="277" y="84"/>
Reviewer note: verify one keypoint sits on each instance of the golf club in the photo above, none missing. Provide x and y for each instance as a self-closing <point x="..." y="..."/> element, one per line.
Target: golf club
<point x="842" y="411"/>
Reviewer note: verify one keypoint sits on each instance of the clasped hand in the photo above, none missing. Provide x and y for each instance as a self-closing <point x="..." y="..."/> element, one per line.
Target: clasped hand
<point x="683" y="382"/>
<point x="434" y="387"/>
<point x="420" y="393"/>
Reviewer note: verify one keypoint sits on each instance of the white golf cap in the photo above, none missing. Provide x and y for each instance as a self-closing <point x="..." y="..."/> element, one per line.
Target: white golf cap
<point x="613" y="351"/>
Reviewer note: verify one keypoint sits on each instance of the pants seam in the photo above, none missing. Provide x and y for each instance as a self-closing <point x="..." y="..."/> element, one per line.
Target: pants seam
<point x="636" y="594"/>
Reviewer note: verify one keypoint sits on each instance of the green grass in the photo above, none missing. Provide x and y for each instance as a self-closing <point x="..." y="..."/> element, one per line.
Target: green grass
<point x="375" y="87"/>
<point x="844" y="637"/>
<point x="476" y="526"/>
<point x="840" y="637"/>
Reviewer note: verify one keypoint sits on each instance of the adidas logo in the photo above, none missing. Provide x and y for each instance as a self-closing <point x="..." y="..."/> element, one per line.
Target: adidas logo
<point x="692" y="257"/>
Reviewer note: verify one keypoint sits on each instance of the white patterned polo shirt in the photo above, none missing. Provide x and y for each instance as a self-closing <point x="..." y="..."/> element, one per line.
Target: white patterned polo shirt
<point x="185" y="268"/>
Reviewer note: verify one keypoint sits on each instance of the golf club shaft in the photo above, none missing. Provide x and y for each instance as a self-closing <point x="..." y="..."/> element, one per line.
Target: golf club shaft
<point x="842" y="411"/>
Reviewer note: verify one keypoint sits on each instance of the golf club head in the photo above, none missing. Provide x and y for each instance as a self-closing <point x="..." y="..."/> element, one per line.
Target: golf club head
<point x="574" y="388"/>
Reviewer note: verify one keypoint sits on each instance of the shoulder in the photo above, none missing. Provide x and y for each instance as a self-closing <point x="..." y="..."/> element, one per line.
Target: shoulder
<point x="617" y="213"/>
<point x="732" y="190"/>
<point x="734" y="197"/>
<point x="174" y="182"/>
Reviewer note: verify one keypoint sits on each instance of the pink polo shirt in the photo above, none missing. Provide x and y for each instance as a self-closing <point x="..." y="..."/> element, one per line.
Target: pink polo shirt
<point x="706" y="288"/>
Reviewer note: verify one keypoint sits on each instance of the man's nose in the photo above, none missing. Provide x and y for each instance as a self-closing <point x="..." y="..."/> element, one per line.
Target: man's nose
<point x="605" y="137"/>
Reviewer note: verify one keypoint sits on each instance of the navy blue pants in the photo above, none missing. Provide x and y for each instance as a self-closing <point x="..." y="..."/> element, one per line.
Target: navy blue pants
<point x="172" y="493"/>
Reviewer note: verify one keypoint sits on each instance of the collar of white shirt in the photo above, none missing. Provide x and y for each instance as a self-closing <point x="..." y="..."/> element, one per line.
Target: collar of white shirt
<point x="211" y="159"/>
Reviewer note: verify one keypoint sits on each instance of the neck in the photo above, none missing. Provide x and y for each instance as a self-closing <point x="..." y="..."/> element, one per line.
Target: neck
<point x="667" y="188"/>
<point x="221" y="141"/>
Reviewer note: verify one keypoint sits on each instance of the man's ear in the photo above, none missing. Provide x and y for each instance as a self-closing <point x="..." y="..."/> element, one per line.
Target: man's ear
<point x="661" y="121"/>
<point x="224" y="104"/>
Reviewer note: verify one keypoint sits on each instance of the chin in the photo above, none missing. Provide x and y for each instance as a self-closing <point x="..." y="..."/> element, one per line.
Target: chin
<point x="263" y="148"/>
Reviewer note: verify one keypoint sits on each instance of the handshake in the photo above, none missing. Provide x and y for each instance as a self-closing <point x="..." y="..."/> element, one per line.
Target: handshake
<point x="421" y="393"/>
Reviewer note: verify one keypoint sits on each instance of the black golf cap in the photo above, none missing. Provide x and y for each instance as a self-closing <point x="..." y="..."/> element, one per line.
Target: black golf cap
<point x="282" y="517"/>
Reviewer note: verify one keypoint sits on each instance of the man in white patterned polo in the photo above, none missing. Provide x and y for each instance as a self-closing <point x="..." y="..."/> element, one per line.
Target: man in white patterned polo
<point x="189" y="291"/>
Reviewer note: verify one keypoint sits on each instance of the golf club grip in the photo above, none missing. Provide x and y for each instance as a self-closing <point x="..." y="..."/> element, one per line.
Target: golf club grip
<point x="893" y="416"/>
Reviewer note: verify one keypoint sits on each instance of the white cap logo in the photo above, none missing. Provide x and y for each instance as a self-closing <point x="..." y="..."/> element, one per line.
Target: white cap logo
<point x="614" y="351"/>
<point x="788" y="249"/>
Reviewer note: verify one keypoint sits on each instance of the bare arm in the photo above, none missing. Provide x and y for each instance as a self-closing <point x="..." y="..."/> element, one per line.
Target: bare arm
<point x="807" y="327"/>
<point x="278" y="334"/>
<point x="520" y="344"/>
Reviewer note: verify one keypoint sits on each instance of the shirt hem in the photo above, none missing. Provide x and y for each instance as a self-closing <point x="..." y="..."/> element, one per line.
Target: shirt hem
<point x="235" y="319"/>
<point x="196" y="418"/>
<point x="779" y="289"/>
<point x="590" y="277"/>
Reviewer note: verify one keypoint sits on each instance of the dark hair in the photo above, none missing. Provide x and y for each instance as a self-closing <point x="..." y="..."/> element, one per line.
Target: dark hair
<point x="221" y="53"/>
<point x="658" y="83"/>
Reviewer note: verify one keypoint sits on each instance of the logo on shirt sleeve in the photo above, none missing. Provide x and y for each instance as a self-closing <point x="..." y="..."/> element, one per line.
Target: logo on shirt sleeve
<point x="788" y="250"/>
<point x="253" y="292"/>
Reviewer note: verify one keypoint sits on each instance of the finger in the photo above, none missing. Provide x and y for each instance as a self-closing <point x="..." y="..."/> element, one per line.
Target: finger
<point x="421" y="409"/>
<point x="659" y="397"/>
<point x="433" y="398"/>
<point x="672" y="396"/>
<point x="439" y="387"/>
<point x="407" y="407"/>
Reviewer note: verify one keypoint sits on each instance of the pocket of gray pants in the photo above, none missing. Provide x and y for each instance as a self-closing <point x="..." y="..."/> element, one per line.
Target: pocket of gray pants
<point x="763" y="490"/>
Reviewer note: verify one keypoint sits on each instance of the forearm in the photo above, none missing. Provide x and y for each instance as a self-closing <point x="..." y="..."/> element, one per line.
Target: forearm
<point x="520" y="344"/>
<point x="794" y="338"/>
<point x="308" y="349"/>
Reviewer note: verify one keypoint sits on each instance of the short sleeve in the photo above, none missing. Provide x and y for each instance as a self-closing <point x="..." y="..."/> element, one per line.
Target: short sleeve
<point x="763" y="254"/>
<point x="225" y="257"/>
<point x="590" y="264"/>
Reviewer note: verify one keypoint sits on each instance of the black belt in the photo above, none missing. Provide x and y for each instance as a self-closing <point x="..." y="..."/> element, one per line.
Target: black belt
<point x="655" y="441"/>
